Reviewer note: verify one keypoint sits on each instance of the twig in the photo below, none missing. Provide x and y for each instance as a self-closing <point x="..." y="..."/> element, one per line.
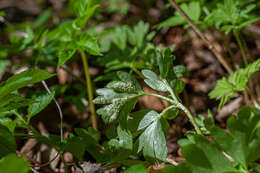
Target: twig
<point x="90" y="91"/>
<point x="210" y="45"/>
<point x="171" y="161"/>
<point x="59" y="109"/>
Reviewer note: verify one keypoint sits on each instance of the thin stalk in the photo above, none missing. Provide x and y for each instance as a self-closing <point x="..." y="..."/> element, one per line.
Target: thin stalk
<point x="186" y="111"/>
<point x="210" y="45"/>
<point x="250" y="88"/>
<point x="90" y="91"/>
<point x="59" y="109"/>
<point x="66" y="168"/>
<point x="236" y="33"/>
<point x="227" y="44"/>
<point x="176" y="103"/>
<point x="138" y="72"/>
<point x="166" y="109"/>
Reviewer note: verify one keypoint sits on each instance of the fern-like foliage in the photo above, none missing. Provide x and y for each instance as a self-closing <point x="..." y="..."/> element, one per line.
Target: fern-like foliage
<point x="226" y="87"/>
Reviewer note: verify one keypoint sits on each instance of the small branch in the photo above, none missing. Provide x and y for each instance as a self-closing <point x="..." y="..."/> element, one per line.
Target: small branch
<point x="90" y="91"/>
<point x="171" y="161"/>
<point x="211" y="46"/>
<point x="59" y="109"/>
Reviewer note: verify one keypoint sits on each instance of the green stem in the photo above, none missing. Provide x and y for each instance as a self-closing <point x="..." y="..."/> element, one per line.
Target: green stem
<point x="186" y="111"/>
<point x="250" y="88"/>
<point x="177" y="104"/>
<point x="66" y="168"/>
<point x="138" y="72"/>
<point x="166" y="109"/>
<point x="236" y="33"/>
<point x="90" y="91"/>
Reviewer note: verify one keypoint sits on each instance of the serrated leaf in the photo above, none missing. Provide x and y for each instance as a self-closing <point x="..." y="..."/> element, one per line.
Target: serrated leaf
<point x="76" y="146"/>
<point x="42" y="101"/>
<point x="7" y="141"/>
<point x="119" y="37"/>
<point x="111" y="112"/>
<point x="12" y="163"/>
<point x="12" y="101"/>
<point x="126" y="77"/>
<point x="148" y="118"/>
<point x="125" y="138"/>
<point x="137" y="35"/>
<point x="153" y="143"/>
<point x="211" y="160"/>
<point x="164" y="61"/>
<point x="9" y="123"/>
<point x="88" y="43"/>
<point x="21" y="80"/>
<point x="243" y="137"/>
<point x="124" y="87"/>
<point x="154" y="81"/>
<point x="236" y="82"/>
<point x="65" y="54"/>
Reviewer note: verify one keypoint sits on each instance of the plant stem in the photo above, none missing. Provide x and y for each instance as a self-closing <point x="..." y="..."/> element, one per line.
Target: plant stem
<point x="66" y="168"/>
<point x="90" y="91"/>
<point x="186" y="111"/>
<point x="250" y="88"/>
<point x="227" y="44"/>
<point x="236" y="33"/>
<point x="177" y="104"/>
<point x="210" y="45"/>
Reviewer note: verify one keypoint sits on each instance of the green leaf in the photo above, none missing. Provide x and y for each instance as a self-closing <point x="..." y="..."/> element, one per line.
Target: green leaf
<point x="43" y="18"/>
<point x="13" y="101"/>
<point x="211" y="160"/>
<point x="12" y="164"/>
<point x="42" y="100"/>
<point x="125" y="138"/>
<point x="21" y="80"/>
<point x="111" y="112"/>
<point x="236" y="82"/>
<point x="164" y="62"/>
<point x="9" y="123"/>
<point x="148" y="118"/>
<point x="192" y="10"/>
<point x="119" y="37"/>
<point x="152" y="141"/>
<point x="242" y="143"/>
<point x="125" y="87"/>
<point x="65" y="53"/>
<point x="136" y="169"/>
<point x="180" y="71"/>
<point x="126" y="77"/>
<point x="153" y="81"/>
<point x="88" y="43"/>
<point x="76" y="146"/>
<point x="7" y="141"/>
<point x="137" y="35"/>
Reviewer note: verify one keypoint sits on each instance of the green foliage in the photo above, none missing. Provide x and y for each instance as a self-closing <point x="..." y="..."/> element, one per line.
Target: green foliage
<point x="193" y="11"/>
<point x="7" y="144"/>
<point x="149" y="126"/>
<point x="231" y="15"/>
<point x="236" y="82"/>
<point x="132" y="137"/>
<point x="42" y="100"/>
<point x="241" y="144"/>
<point x="136" y="169"/>
<point x="21" y="80"/>
<point x="12" y="163"/>
<point x="225" y="15"/>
